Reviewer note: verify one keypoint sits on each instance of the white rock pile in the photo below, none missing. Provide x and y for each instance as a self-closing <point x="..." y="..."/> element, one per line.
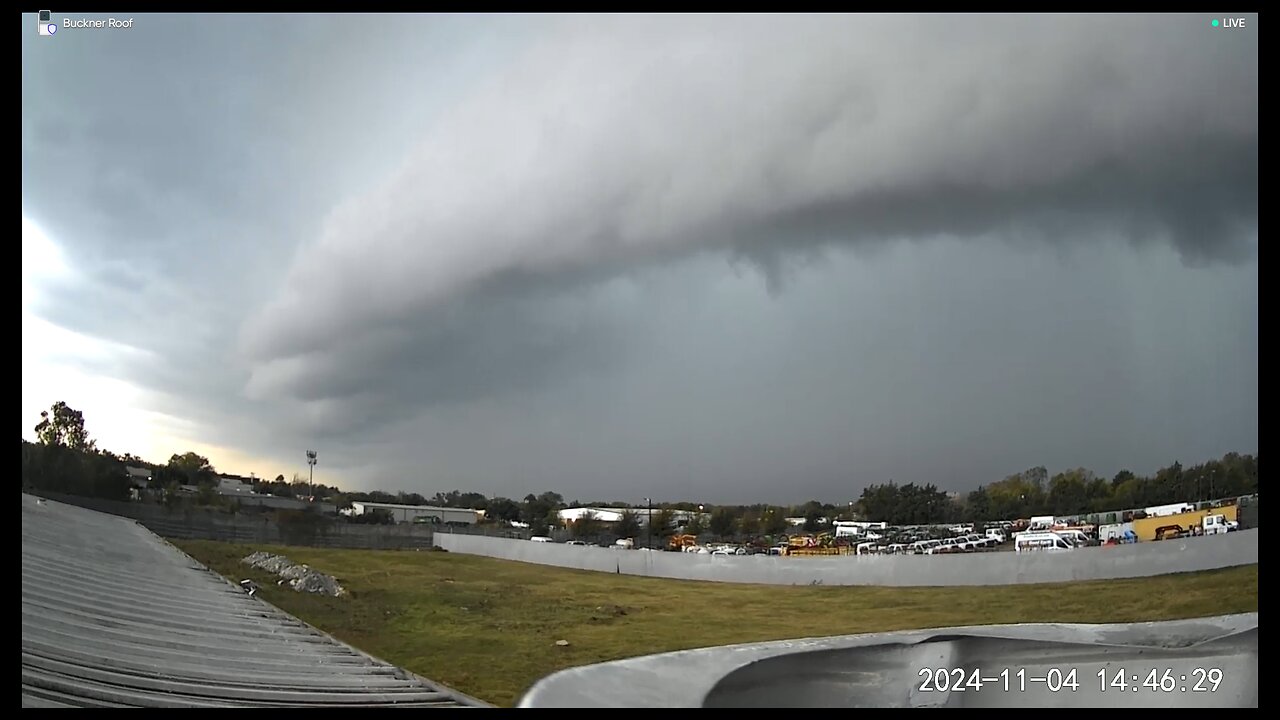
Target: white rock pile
<point x="299" y="577"/>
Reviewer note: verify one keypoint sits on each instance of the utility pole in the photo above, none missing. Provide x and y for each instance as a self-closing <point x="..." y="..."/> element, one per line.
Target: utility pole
<point x="649" y="524"/>
<point x="311" y="460"/>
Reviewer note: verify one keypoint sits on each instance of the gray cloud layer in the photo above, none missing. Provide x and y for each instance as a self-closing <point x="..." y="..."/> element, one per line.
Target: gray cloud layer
<point x="498" y="256"/>
<point x="616" y="144"/>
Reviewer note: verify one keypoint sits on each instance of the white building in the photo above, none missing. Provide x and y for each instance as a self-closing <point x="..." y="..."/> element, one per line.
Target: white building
<point x="233" y="486"/>
<point x="608" y="515"/>
<point x="412" y="513"/>
<point x="855" y="528"/>
<point x="679" y="518"/>
<point x="683" y="517"/>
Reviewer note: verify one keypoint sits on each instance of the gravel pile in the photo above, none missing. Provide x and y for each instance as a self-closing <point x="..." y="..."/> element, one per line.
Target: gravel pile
<point x="299" y="577"/>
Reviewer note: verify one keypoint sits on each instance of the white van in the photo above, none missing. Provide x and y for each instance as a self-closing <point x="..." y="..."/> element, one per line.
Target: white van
<point x="1076" y="537"/>
<point x="1041" y="541"/>
<point x="1043" y="521"/>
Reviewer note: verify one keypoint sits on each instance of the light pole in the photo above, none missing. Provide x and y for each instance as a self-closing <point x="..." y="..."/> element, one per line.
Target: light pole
<point x="311" y="460"/>
<point x="648" y="541"/>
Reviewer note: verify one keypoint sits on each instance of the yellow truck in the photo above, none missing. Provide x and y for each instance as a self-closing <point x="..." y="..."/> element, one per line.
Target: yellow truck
<point x="814" y="546"/>
<point x="818" y="551"/>
<point x="1182" y="524"/>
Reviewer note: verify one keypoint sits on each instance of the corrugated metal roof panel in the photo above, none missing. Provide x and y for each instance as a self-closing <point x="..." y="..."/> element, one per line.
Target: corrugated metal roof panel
<point x="113" y="616"/>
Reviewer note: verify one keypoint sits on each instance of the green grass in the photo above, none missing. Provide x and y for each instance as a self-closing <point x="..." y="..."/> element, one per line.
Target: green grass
<point x="488" y="627"/>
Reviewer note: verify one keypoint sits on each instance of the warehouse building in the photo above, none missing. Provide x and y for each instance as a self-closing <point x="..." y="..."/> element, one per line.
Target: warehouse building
<point x="679" y="518"/>
<point x="419" y="513"/>
<point x="604" y="515"/>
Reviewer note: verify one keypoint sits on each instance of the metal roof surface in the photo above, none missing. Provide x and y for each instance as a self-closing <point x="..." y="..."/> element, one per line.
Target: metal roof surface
<point x="114" y="616"/>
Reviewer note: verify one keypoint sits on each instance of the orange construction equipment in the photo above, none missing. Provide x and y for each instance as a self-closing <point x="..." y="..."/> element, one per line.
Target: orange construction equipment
<point x="680" y="542"/>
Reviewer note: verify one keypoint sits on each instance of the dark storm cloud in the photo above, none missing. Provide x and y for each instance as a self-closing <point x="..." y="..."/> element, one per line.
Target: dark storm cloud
<point x="1206" y="208"/>
<point x="613" y="144"/>
<point x="476" y="348"/>
<point x="317" y="236"/>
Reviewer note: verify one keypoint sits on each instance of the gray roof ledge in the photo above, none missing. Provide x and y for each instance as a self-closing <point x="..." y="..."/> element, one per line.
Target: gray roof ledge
<point x="1024" y="665"/>
<point x="114" y="616"/>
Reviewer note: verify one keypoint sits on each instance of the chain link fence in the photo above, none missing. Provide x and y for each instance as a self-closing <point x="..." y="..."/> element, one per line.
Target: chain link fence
<point x="275" y="528"/>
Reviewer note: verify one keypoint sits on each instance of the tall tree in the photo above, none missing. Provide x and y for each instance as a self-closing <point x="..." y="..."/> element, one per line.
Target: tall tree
<point x="812" y="519"/>
<point x="1069" y="492"/>
<point x="501" y="508"/>
<point x="1120" y="478"/>
<point x="1037" y="476"/>
<point x="773" y="521"/>
<point x="539" y="510"/>
<point x="63" y="426"/>
<point x="694" y="526"/>
<point x="722" y="521"/>
<point x="978" y="505"/>
<point x="587" y="525"/>
<point x="195" y="468"/>
<point x="663" y="523"/>
<point x="628" y="525"/>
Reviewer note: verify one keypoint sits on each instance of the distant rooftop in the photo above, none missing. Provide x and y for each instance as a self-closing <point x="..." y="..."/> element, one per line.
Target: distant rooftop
<point x="396" y="506"/>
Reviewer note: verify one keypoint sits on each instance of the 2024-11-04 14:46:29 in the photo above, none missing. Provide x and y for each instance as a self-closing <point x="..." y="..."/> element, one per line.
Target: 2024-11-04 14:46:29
<point x="1059" y="680"/>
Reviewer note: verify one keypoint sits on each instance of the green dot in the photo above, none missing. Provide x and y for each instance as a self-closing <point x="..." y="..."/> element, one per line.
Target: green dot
<point x="1214" y="23"/>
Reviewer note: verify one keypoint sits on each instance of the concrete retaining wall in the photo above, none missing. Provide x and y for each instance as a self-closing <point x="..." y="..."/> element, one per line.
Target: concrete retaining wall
<point x="1000" y="568"/>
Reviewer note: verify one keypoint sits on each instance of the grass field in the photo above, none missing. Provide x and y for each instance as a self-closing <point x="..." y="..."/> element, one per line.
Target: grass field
<point x="489" y="627"/>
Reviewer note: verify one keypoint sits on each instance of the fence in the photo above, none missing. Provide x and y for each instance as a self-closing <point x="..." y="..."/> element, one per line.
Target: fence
<point x="1103" y="563"/>
<point x="264" y="528"/>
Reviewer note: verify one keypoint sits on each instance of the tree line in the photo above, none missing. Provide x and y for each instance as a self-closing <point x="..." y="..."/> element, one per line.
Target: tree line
<point x="1071" y="493"/>
<point x="66" y="460"/>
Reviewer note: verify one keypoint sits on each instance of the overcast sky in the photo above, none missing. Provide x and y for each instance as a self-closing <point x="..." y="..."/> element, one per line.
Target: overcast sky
<point x="723" y="259"/>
